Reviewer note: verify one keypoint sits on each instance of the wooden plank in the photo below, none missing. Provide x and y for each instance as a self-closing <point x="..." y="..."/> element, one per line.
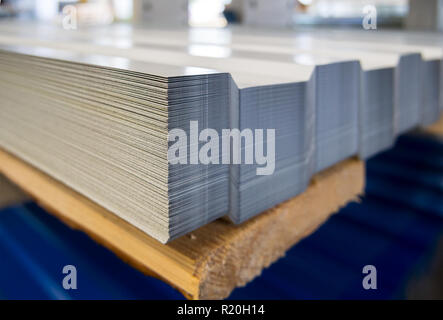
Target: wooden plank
<point x="436" y="128"/>
<point x="210" y="262"/>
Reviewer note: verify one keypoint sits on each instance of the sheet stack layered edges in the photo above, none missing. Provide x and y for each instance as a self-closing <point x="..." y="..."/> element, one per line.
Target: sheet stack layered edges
<point x="104" y="110"/>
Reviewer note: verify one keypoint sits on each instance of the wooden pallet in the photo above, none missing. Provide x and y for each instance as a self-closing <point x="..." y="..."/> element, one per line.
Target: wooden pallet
<point x="436" y="128"/>
<point x="213" y="260"/>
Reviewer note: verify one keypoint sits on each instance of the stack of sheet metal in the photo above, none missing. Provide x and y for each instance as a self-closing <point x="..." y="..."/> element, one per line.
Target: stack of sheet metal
<point x="104" y="132"/>
<point x="290" y="160"/>
<point x="120" y="116"/>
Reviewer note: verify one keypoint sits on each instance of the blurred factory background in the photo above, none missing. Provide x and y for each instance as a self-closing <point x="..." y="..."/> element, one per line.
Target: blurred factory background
<point x="413" y="14"/>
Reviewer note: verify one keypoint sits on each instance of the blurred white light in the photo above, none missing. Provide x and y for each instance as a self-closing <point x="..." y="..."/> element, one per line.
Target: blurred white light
<point x="46" y="9"/>
<point x="123" y="9"/>
<point x="205" y="13"/>
<point x="304" y="59"/>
